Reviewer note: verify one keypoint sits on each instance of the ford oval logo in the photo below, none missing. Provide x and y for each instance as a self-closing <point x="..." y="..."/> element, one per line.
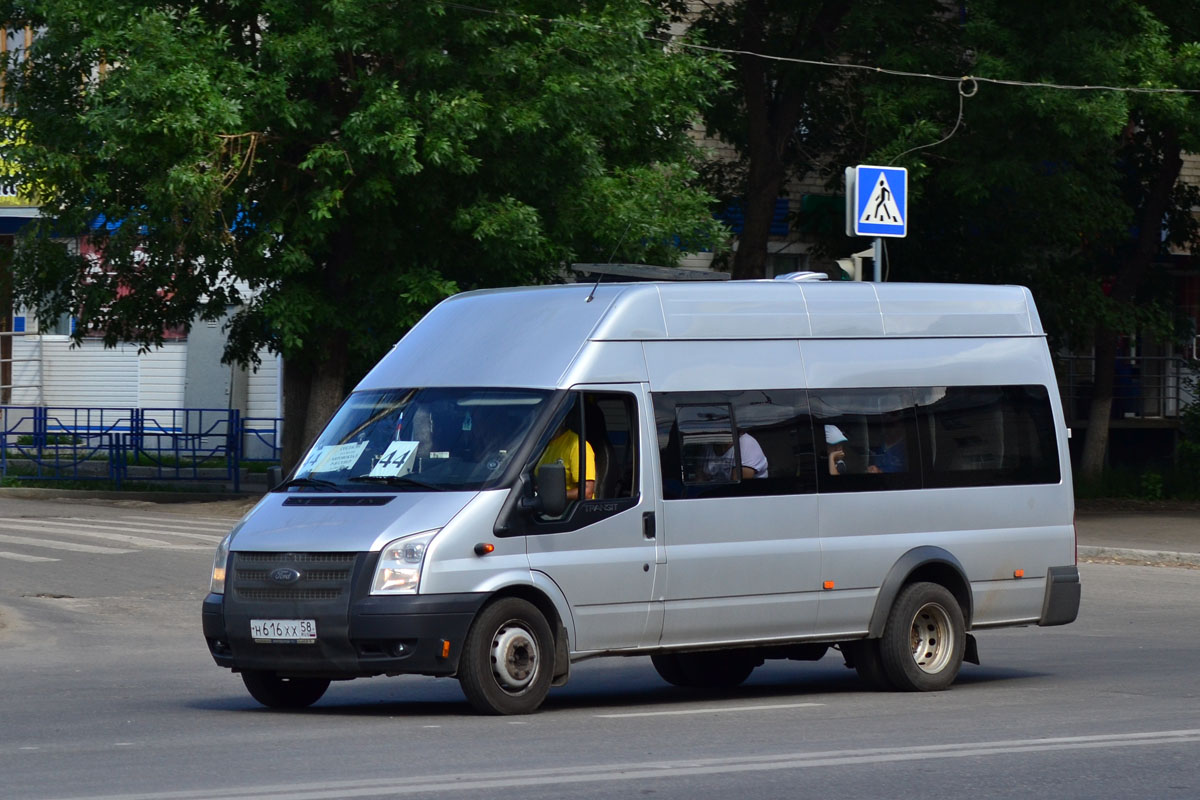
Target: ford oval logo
<point x="284" y="575"/>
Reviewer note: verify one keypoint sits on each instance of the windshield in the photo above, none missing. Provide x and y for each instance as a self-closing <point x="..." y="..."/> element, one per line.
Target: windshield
<point x="456" y="439"/>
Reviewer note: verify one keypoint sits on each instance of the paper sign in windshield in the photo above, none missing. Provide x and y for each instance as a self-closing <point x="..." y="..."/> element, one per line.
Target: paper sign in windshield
<point x="341" y="457"/>
<point x="314" y="458"/>
<point x="333" y="458"/>
<point x="396" y="460"/>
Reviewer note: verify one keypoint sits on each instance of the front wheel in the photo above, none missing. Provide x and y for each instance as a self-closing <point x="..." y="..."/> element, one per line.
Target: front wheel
<point x="276" y="692"/>
<point x="924" y="639"/>
<point x="508" y="659"/>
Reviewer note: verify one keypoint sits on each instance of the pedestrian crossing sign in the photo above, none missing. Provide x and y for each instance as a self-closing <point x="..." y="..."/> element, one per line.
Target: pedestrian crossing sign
<point x="880" y="205"/>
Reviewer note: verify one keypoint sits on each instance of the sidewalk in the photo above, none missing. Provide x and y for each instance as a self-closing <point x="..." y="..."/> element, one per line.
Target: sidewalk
<point x="1158" y="533"/>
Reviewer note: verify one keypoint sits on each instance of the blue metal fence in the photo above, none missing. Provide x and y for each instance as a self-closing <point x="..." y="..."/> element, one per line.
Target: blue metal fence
<point x="116" y="444"/>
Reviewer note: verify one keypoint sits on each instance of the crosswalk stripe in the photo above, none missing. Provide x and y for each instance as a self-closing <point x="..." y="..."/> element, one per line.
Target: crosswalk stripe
<point x="137" y="527"/>
<point x="53" y="544"/>
<point x="23" y="557"/>
<point x="36" y="526"/>
<point x="211" y="522"/>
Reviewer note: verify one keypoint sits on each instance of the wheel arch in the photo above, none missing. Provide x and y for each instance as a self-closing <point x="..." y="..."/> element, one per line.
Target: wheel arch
<point x="539" y="599"/>
<point x="925" y="563"/>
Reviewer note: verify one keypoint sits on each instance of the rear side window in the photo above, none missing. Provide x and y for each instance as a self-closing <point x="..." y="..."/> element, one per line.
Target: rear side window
<point x="868" y="439"/>
<point x="934" y="437"/>
<point x="734" y="444"/>
<point x="987" y="436"/>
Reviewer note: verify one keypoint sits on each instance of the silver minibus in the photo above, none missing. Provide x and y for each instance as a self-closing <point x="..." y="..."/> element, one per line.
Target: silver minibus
<point x="708" y="474"/>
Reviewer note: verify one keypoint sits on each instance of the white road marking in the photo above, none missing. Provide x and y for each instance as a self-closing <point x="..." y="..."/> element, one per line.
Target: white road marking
<point x="708" y="710"/>
<point x="23" y="557"/>
<point x="57" y="545"/>
<point x="211" y="522"/>
<point x="89" y="531"/>
<point x="153" y="527"/>
<point x="625" y="771"/>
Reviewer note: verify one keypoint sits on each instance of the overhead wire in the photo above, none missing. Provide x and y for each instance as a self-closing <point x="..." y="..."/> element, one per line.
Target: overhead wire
<point x="680" y="41"/>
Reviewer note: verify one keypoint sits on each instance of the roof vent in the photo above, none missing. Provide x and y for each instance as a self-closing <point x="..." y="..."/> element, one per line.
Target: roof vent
<point x="802" y="276"/>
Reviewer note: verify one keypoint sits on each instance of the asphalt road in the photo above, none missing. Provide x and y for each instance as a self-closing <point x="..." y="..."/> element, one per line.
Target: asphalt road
<point x="108" y="691"/>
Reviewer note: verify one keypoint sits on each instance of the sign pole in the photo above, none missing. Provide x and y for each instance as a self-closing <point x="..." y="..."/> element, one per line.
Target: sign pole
<point x="878" y="259"/>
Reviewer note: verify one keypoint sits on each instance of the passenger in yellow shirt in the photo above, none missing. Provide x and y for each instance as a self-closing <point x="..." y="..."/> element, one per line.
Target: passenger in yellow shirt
<point x="564" y="449"/>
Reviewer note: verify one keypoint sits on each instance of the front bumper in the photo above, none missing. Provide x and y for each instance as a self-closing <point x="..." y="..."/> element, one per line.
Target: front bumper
<point x="358" y="634"/>
<point x="378" y="636"/>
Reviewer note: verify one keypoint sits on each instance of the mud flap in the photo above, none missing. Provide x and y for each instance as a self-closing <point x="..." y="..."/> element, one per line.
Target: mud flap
<point x="971" y="652"/>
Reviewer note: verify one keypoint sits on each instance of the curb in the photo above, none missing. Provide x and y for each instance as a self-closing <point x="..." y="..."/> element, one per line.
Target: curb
<point x="1141" y="556"/>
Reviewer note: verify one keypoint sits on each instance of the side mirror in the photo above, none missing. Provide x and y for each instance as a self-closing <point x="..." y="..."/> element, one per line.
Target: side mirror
<point x="551" y="490"/>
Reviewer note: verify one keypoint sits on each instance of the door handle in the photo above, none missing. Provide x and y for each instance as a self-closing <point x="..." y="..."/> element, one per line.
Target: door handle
<point x="648" y="524"/>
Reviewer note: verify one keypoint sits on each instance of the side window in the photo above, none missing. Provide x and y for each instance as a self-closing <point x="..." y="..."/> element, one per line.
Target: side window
<point x="605" y="468"/>
<point x="987" y="435"/>
<point x="734" y="444"/>
<point x="610" y="425"/>
<point x="868" y="439"/>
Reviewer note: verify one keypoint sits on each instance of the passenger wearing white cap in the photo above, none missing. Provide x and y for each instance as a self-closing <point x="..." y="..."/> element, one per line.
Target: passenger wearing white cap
<point x="836" y="441"/>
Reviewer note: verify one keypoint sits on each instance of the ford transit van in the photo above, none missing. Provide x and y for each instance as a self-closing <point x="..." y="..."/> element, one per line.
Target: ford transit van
<point x="708" y="474"/>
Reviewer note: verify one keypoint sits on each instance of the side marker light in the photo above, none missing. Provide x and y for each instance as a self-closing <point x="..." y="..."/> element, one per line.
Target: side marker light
<point x="1018" y="573"/>
<point x="445" y="648"/>
<point x="827" y="585"/>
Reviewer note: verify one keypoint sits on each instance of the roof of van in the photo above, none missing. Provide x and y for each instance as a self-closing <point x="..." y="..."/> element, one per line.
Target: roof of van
<point x="505" y="331"/>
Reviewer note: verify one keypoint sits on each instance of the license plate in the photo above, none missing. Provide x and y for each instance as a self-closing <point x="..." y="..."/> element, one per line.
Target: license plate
<point x="299" y="631"/>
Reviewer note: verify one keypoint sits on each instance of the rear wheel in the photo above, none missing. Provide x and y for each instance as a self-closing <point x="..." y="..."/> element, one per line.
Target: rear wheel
<point x="276" y="692"/>
<point x="508" y="659"/>
<point x="924" y="639"/>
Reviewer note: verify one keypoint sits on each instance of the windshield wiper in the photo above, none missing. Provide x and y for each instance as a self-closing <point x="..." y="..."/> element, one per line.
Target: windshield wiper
<point x="398" y="480"/>
<point x="315" y="483"/>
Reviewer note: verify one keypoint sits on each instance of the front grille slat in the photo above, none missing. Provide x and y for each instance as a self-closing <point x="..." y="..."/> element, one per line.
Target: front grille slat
<point x="323" y="576"/>
<point x="289" y="594"/>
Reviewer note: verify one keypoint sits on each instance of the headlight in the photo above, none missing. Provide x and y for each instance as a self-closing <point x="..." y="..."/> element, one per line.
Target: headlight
<point x="220" y="561"/>
<point x="399" y="569"/>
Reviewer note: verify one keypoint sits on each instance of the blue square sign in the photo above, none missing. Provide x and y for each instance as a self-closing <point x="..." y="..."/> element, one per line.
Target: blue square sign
<point x="880" y="201"/>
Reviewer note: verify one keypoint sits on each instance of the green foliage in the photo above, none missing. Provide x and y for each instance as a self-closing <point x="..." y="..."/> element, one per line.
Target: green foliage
<point x="332" y="169"/>
<point x="1044" y="187"/>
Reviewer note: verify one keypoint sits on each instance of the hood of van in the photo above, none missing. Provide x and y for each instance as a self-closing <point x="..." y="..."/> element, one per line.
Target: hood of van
<point x="338" y="523"/>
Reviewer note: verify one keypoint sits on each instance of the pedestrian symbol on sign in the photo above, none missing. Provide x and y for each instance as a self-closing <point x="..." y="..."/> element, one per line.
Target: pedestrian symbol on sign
<point x="877" y="199"/>
<point x="881" y="207"/>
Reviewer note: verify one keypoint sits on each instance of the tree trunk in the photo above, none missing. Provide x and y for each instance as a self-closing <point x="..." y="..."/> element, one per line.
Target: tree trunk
<point x="1131" y="273"/>
<point x="1095" y="440"/>
<point x="773" y="109"/>
<point x="311" y="393"/>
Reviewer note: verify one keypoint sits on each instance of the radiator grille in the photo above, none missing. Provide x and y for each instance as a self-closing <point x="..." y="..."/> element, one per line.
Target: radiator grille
<point x="323" y="576"/>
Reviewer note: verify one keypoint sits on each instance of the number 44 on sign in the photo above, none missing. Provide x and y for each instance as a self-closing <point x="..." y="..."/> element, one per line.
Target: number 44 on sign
<point x="876" y="201"/>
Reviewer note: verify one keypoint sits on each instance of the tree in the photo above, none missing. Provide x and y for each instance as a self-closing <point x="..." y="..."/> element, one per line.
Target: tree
<point x="1073" y="193"/>
<point x="786" y="119"/>
<point x="330" y="170"/>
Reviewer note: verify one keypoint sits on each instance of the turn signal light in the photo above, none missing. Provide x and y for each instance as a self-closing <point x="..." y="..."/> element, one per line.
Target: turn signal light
<point x="445" y="648"/>
<point x="483" y="548"/>
<point x="1018" y="573"/>
<point x="827" y="585"/>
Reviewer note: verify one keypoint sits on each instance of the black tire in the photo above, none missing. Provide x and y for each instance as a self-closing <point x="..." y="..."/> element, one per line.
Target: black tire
<point x="276" y="692"/>
<point x="869" y="664"/>
<point x="669" y="668"/>
<point x="508" y="659"/>
<point x="722" y="669"/>
<point x="924" y="639"/>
